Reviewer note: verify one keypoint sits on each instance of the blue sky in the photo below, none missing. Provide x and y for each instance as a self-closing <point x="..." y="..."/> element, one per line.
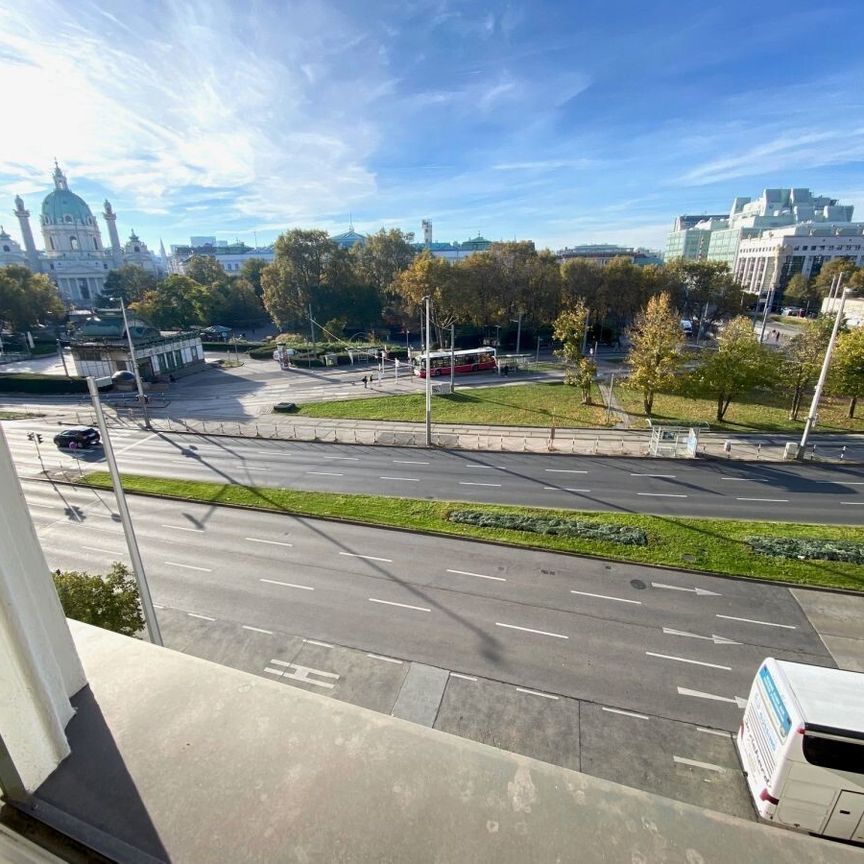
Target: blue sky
<point x="563" y="123"/>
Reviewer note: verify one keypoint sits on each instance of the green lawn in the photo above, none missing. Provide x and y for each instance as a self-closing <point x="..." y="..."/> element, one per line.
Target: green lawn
<point x="18" y="415"/>
<point x="710" y="545"/>
<point x="520" y="405"/>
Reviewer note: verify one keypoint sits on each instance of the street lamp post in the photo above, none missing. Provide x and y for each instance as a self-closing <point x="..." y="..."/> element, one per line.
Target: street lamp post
<point x="131" y="541"/>
<point x="452" y="354"/>
<point x="518" y="323"/>
<point x="428" y="299"/>
<point x="823" y="375"/>
<point x="142" y="399"/>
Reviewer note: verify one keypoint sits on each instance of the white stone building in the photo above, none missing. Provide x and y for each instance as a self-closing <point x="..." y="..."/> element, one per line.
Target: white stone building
<point x="74" y="257"/>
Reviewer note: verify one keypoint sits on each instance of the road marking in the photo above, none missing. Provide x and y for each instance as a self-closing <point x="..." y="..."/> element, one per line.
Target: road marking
<point x="754" y="621"/>
<point x="478" y="575"/>
<point x="852" y="502"/>
<point x="342" y="458"/>
<point x="184" y="528"/>
<point x="692" y="662"/>
<point x="605" y="597"/>
<point x="639" y="474"/>
<point x="269" y="542"/>
<point x="467" y="483"/>
<point x="319" y="644"/>
<point x="625" y="713"/>
<point x="766" y="500"/>
<point x="136" y="443"/>
<point x="713" y="732"/>
<point x="98" y="549"/>
<point x="326" y="473"/>
<point x="202" y="617"/>
<point x="717" y="640"/>
<point x="662" y="494"/>
<point x="841" y="482"/>
<point x="157" y="606"/>
<point x="386" y="659"/>
<point x="692" y="763"/>
<point x="408" y="462"/>
<point x="302" y="673"/>
<point x="248" y="468"/>
<point x="287" y="584"/>
<point x="563" y="471"/>
<point x="747" y="479"/>
<point x="530" y="630"/>
<point x="537" y="693"/>
<point x="463" y="677"/>
<point x="564" y="489"/>
<point x="256" y="629"/>
<point x="699" y="592"/>
<point x="481" y="466"/>
<point x="366" y="557"/>
<point x="402" y="605"/>
<point x="409" y="479"/>
<point x="735" y="700"/>
<point x="188" y="566"/>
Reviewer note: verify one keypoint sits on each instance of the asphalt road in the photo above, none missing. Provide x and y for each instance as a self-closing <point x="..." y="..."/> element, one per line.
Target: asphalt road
<point x="728" y="489"/>
<point x="657" y="643"/>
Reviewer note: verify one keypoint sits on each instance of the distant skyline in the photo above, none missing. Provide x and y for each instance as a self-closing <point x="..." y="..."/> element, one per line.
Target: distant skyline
<point x="556" y="122"/>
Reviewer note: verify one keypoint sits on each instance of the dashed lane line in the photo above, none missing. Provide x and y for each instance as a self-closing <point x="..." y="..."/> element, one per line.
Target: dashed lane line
<point x="463" y="677"/>
<point x="268" y="542"/>
<point x="754" y="621"/>
<point x="662" y="494"/>
<point x="386" y="659"/>
<point x="202" y="617"/>
<point x="766" y="500"/>
<point x="606" y="597"/>
<point x="326" y="473"/>
<point x="188" y="566"/>
<point x="625" y="713"/>
<point x="719" y="732"/>
<point x="692" y="763"/>
<point x="563" y="471"/>
<point x="406" y="479"/>
<point x="564" y="489"/>
<point x="257" y="629"/>
<point x="183" y="528"/>
<point x="287" y="584"/>
<point x="536" y="693"/>
<point x="531" y="630"/>
<point x="687" y="660"/>
<point x="402" y="605"/>
<point x="100" y="549"/>
<point x="478" y="575"/>
<point x="316" y="642"/>
<point x="366" y="557"/>
<point x="468" y="483"/>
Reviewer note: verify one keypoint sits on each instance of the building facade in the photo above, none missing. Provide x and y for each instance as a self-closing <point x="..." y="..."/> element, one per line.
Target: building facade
<point x="232" y="256"/>
<point x="604" y="253"/>
<point x="74" y="258"/>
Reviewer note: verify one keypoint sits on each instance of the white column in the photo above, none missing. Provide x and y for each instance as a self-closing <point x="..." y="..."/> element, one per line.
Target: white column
<point x="39" y="666"/>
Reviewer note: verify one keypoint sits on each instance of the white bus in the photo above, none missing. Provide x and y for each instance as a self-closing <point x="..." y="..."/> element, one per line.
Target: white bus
<point x="464" y="361"/>
<point x="801" y="744"/>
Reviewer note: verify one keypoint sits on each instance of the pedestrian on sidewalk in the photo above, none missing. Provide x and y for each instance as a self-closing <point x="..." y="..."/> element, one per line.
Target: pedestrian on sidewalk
<point x="365" y="383"/>
<point x="776" y="335"/>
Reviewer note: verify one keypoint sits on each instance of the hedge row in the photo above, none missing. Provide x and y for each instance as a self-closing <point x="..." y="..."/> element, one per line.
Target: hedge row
<point x="30" y="382"/>
<point x="622" y="534"/>
<point x="808" y="548"/>
<point x="229" y="346"/>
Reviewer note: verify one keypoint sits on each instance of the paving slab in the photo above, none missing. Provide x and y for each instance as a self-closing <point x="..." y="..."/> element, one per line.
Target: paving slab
<point x="421" y="694"/>
<point x="839" y="620"/>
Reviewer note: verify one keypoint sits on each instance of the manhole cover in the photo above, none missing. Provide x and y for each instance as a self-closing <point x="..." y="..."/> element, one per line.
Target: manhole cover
<point x="638" y="584"/>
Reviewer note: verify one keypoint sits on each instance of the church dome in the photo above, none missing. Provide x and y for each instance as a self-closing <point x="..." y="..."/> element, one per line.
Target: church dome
<point x="62" y="206"/>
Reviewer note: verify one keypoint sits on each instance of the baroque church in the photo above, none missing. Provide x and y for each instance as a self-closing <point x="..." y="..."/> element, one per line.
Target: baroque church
<point x="74" y="258"/>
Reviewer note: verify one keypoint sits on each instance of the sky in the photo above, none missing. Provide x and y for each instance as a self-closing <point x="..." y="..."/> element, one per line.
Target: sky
<point x="561" y="123"/>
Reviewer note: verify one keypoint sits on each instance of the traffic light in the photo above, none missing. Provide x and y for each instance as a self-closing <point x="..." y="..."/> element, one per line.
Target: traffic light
<point x="34" y="436"/>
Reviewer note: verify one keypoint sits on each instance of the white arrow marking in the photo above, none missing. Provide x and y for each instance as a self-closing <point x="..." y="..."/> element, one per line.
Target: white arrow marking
<point x="717" y="640"/>
<point x="700" y="592"/>
<point x="735" y="700"/>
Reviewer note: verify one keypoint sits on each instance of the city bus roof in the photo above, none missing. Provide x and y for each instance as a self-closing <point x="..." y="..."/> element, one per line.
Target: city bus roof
<point x="831" y="699"/>
<point x="460" y="353"/>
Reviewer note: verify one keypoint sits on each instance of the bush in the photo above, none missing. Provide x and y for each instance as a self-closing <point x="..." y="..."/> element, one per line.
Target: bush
<point x="805" y="548"/>
<point x="622" y="534"/>
<point x="229" y="346"/>
<point x="30" y="382"/>
<point x="285" y="408"/>
<point x="110" y="601"/>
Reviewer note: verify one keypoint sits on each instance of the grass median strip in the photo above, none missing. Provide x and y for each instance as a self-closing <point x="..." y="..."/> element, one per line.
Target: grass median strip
<point x="710" y="545"/>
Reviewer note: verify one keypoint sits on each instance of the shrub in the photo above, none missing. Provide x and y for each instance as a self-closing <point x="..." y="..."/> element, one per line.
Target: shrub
<point x="285" y="408"/>
<point x="229" y="346"/>
<point x="623" y="534"/>
<point x="110" y="601"/>
<point x="806" y="548"/>
<point x="30" y="382"/>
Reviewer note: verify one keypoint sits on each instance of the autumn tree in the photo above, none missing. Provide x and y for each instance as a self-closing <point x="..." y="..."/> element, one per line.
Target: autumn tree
<point x="569" y="330"/>
<point x="129" y="282"/>
<point x="705" y="290"/>
<point x="378" y="262"/>
<point x="847" y="367"/>
<point x="251" y="271"/>
<point x="801" y="291"/>
<point x="804" y="355"/>
<point x="736" y="366"/>
<point x="657" y="348"/>
<point x="205" y="270"/>
<point x="432" y="277"/>
<point x="26" y="298"/>
<point x="176" y="302"/>
<point x="110" y="601"/>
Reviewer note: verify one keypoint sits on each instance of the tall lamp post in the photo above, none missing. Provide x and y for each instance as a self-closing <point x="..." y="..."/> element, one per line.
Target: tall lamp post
<point x="823" y="375"/>
<point x="142" y="399"/>
<point x="428" y="299"/>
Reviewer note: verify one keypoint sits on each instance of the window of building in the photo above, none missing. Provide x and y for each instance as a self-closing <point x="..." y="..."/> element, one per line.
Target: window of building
<point x="82" y="287"/>
<point x="194" y="350"/>
<point x="178" y="358"/>
<point x="68" y="218"/>
<point x="95" y="244"/>
<point x="73" y="243"/>
<point x="51" y="242"/>
<point x="5" y="248"/>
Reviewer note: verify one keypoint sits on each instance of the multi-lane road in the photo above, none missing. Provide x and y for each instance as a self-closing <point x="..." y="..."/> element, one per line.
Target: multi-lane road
<point x="730" y="489"/>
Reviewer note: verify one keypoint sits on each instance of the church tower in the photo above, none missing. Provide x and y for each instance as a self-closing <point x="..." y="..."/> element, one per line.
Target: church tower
<point x="68" y="225"/>
<point x="23" y="216"/>
<point x="110" y="218"/>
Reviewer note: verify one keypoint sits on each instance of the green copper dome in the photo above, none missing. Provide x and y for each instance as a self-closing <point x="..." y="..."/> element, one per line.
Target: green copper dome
<point x="62" y="206"/>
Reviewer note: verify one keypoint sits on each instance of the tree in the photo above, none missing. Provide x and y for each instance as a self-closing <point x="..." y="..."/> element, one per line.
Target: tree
<point x="177" y="302"/>
<point x="738" y="364"/>
<point x="130" y="282"/>
<point x="656" y="351"/>
<point x="569" y="330"/>
<point x="233" y="304"/>
<point x="251" y="271"/>
<point x="26" y="298"/>
<point x="379" y="260"/>
<point x="801" y="291"/>
<point x="432" y="277"/>
<point x="205" y="270"/>
<point x="847" y="367"/>
<point x="705" y="290"/>
<point x="110" y="601"/>
<point x="835" y="267"/>
<point x="804" y="355"/>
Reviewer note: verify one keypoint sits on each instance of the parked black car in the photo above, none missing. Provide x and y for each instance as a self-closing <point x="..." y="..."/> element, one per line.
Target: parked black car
<point x="77" y="438"/>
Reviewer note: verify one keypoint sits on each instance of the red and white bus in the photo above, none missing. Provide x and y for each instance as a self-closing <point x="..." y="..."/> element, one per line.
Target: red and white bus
<point x="468" y="360"/>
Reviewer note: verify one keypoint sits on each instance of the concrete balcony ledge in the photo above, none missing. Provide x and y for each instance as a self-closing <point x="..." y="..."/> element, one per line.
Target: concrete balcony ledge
<point x="177" y="759"/>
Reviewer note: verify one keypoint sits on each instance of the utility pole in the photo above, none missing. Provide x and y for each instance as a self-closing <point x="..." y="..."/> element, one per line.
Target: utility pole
<point x="537" y="358"/>
<point x="126" y="519"/>
<point x="142" y="399"/>
<point x="312" y="326"/>
<point x="518" y="323"/>
<point x="823" y="375"/>
<point x="62" y="358"/>
<point x="428" y="299"/>
<point x="452" y="355"/>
